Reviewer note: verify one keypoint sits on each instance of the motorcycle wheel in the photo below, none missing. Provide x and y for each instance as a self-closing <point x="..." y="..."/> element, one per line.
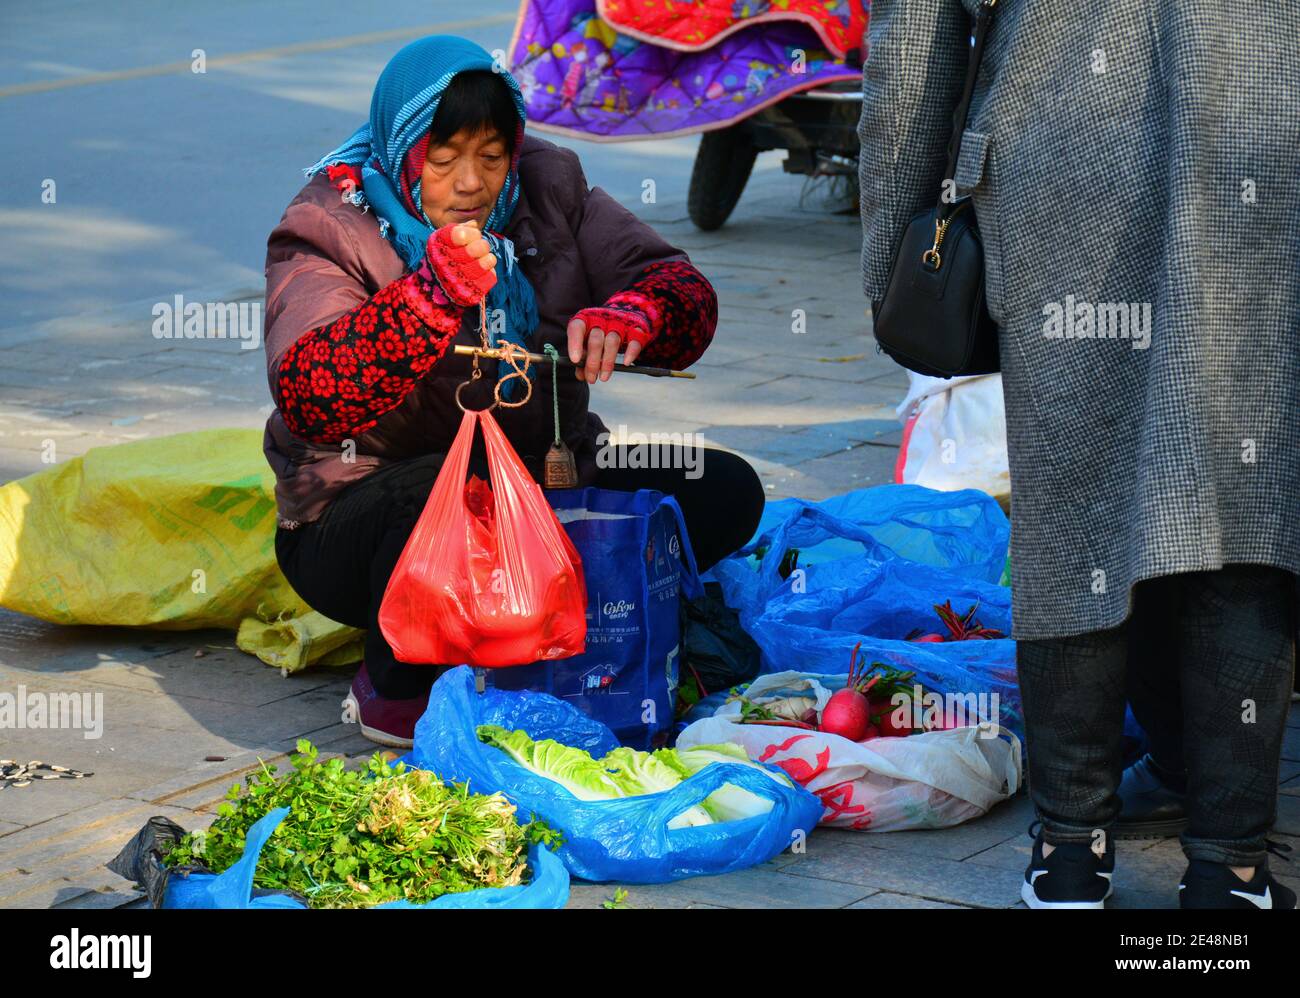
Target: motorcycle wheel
<point x="722" y="167"/>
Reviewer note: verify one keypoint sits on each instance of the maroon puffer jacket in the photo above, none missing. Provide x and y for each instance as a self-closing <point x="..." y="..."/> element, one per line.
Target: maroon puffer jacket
<point x="578" y="246"/>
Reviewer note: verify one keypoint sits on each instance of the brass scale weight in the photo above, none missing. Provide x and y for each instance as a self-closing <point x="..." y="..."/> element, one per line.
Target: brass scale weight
<point x="561" y="471"/>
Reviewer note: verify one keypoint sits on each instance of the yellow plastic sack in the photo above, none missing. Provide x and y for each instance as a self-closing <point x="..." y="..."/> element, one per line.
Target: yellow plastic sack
<point x="172" y="532"/>
<point x="291" y="643"/>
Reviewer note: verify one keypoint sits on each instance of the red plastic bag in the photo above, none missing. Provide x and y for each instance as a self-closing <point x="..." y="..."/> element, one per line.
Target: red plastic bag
<point x="488" y="576"/>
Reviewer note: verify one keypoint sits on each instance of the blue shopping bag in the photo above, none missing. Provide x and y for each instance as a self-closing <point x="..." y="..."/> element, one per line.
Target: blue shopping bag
<point x="638" y="565"/>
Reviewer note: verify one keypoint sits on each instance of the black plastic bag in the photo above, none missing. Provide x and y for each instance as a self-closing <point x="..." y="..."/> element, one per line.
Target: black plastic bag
<point x="717" y="654"/>
<point x="141" y="861"/>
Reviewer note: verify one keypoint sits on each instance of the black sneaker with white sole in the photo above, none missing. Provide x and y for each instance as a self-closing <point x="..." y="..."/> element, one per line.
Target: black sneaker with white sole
<point x="1073" y="876"/>
<point x="1214" y="885"/>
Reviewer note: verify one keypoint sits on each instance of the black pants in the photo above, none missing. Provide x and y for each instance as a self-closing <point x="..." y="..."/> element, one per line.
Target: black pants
<point x="1154" y="691"/>
<point x="340" y="563"/>
<point x="1229" y="636"/>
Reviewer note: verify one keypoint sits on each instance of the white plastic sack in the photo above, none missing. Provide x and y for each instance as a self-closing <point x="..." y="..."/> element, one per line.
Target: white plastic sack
<point x="954" y="435"/>
<point x="932" y="780"/>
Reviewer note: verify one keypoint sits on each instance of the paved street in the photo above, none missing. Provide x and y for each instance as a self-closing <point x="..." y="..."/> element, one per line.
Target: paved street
<point x="167" y="183"/>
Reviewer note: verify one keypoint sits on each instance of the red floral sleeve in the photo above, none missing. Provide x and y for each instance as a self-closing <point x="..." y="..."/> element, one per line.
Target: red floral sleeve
<point x="671" y="309"/>
<point x="337" y="380"/>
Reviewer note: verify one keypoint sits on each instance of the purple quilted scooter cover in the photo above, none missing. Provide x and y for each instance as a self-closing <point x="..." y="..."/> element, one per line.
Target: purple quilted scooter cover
<point x="580" y="77"/>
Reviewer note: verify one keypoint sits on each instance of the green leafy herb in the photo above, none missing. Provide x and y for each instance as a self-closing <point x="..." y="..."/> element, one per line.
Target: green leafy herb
<point x="359" y="838"/>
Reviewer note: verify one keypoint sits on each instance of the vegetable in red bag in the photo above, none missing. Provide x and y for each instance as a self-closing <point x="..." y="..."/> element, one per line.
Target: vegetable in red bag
<point x="488" y="576"/>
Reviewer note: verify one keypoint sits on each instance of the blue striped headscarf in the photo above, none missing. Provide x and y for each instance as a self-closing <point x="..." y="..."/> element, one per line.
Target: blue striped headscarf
<point x="402" y="110"/>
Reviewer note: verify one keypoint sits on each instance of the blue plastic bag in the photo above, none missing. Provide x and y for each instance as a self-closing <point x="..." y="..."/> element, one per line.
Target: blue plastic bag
<point x="233" y="888"/>
<point x="872" y="565"/>
<point x="964" y="533"/>
<point x="626" y="839"/>
<point x="637" y="562"/>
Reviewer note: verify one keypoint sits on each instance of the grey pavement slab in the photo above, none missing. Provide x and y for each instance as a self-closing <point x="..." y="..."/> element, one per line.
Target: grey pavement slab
<point x="757" y="888"/>
<point x="588" y="896"/>
<point x="890" y="900"/>
<point x="100" y="898"/>
<point x="1291" y="741"/>
<point x="1288" y="814"/>
<point x="48" y="800"/>
<point x="67" y="856"/>
<point x="820" y="362"/>
<point x="862" y="863"/>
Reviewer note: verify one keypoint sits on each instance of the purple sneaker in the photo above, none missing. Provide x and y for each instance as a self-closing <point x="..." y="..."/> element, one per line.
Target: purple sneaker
<point x="383" y="720"/>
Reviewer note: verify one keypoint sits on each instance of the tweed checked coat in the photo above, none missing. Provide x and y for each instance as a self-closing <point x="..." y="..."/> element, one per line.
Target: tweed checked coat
<point x="1134" y="169"/>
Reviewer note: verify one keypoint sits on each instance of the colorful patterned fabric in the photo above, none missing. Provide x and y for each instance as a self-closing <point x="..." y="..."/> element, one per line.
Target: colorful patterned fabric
<point x="671" y="297"/>
<point x="700" y="24"/>
<point x="337" y="380"/>
<point x="580" y="77"/>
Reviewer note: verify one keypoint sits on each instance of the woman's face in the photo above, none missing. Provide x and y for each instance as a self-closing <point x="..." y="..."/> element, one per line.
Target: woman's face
<point x="463" y="176"/>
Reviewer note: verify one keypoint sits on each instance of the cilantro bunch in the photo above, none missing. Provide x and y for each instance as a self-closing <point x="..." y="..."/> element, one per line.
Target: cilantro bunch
<point x="359" y="838"/>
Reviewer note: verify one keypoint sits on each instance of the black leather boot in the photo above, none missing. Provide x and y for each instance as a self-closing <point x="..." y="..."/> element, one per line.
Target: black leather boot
<point x="1152" y="802"/>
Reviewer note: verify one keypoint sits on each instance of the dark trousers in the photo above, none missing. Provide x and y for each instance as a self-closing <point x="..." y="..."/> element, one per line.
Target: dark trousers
<point x="340" y="563"/>
<point x="1153" y="685"/>
<point x="1154" y="691"/>
<point x="1230" y="637"/>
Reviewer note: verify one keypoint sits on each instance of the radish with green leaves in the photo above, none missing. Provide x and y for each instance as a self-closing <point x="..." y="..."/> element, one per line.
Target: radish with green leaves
<point x="864" y="709"/>
<point x="848" y="713"/>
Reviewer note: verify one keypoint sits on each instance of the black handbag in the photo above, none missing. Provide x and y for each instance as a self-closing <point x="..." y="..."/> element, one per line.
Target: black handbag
<point x="933" y="319"/>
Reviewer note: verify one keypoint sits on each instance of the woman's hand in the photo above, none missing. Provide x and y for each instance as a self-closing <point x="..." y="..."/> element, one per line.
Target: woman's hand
<point x="461" y="260"/>
<point x="600" y="348"/>
<point x="467" y="234"/>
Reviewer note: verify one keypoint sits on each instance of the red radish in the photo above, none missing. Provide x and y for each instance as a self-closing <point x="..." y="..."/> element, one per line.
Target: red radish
<point x="848" y="713"/>
<point x="884" y="710"/>
<point x="963" y="627"/>
<point x="865" y="707"/>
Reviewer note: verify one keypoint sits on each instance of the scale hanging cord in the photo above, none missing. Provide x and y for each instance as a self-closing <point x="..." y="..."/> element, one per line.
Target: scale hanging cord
<point x="512" y="353"/>
<point x="555" y="388"/>
<point x="560" y="470"/>
<point x="506" y="352"/>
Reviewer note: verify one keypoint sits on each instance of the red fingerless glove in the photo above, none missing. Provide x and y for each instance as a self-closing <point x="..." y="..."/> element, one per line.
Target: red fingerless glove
<point x="454" y="270"/>
<point x="633" y="316"/>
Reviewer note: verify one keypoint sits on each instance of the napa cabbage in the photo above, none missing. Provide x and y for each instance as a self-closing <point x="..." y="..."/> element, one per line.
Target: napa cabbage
<point x="641" y="773"/>
<point x="571" y="768"/>
<point x="728" y="802"/>
<point x="625" y="772"/>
